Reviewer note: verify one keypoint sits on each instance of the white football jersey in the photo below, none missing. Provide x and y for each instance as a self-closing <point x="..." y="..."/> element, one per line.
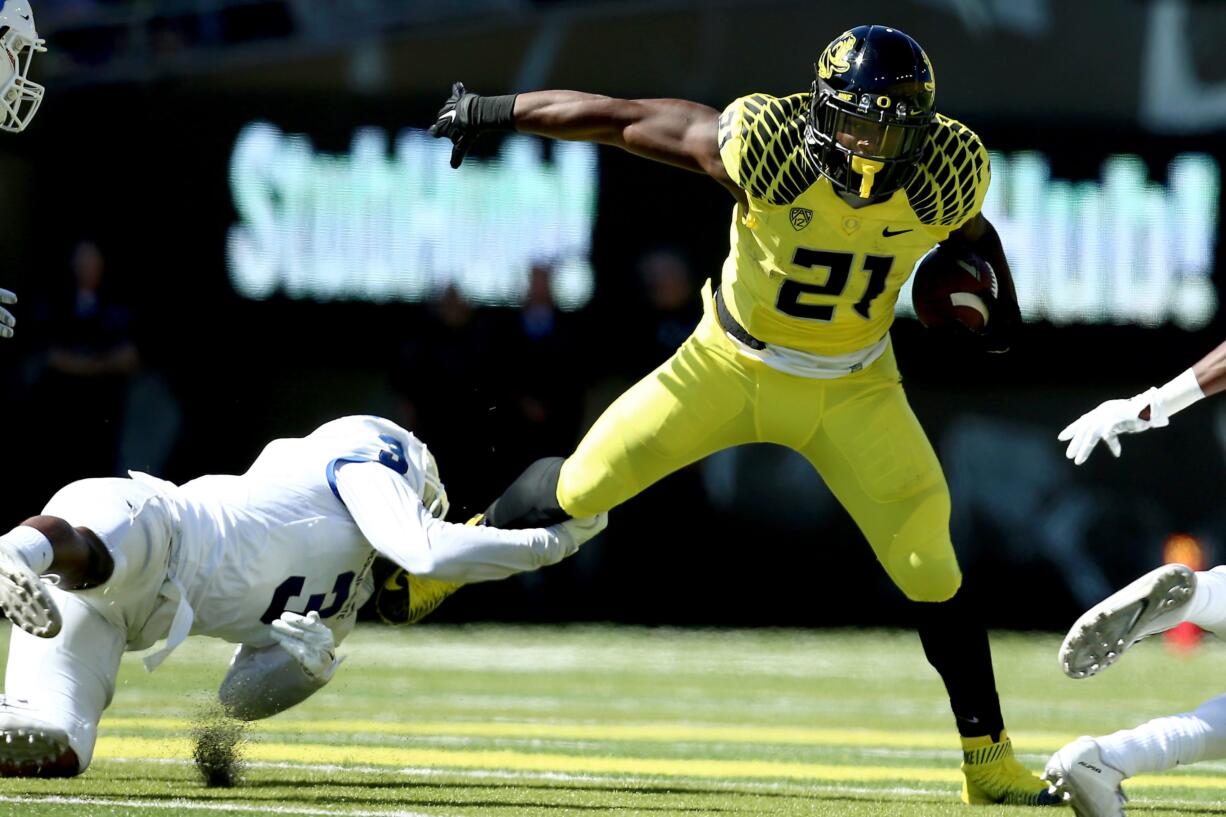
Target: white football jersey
<point x="278" y="537"/>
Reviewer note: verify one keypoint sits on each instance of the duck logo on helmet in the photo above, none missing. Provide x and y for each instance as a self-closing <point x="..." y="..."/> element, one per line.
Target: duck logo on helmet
<point x="871" y="107"/>
<point x="835" y="58"/>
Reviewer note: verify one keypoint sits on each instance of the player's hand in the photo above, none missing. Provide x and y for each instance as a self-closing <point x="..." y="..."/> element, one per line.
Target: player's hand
<point x="1000" y="334"/>
<point x="1004" y="322"/>
<point x="7" y="321"/>
<point x="309" y="641"/>
<point x="454" y="122"/>
<point x="1106" y="423"/>
<point x="581" y="530"/>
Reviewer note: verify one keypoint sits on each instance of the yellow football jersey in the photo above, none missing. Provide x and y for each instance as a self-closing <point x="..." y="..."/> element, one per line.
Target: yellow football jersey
<point x="809" y="271"/>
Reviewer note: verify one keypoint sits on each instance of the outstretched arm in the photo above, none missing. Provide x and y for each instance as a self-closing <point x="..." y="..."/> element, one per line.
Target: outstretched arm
<point x="672" y="131"/>
<point x="396" y="524"/>
<point x="1210" y="372"/>
<point x="1150" y="409"/>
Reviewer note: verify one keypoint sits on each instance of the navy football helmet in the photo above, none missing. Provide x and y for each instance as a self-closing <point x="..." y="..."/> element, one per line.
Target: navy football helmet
<point x="871" y="107"/>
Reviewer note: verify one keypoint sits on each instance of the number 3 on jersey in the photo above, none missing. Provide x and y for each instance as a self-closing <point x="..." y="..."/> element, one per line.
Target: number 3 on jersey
<point x="392" y="454"/>
<point x="839" y="264"/>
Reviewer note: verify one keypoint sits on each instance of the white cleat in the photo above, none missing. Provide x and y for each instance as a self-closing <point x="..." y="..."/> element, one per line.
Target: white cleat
<point x="24" y="597"/>
<point x="1150" y="605"/>
<point x="1077" y="773"/>
<point x="31" y="747"/>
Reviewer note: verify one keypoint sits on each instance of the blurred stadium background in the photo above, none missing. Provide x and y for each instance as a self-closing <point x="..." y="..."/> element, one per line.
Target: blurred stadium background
<point x="227" y="225"/>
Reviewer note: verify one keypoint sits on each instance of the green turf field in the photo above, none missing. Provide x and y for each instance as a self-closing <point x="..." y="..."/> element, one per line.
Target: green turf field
<point x="601" y="721"/>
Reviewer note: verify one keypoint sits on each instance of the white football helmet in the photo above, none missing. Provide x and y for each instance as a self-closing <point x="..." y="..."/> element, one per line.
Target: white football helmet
<point x="435" y="495"/>
<point x="19" y="97"/>
<point x="430" y="488"/>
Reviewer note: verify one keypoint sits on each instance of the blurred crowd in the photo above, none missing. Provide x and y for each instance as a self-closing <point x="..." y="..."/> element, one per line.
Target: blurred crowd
<point x="86" y="33"/>
<point x="489" y="388"/>
<point x="501" y="387"/>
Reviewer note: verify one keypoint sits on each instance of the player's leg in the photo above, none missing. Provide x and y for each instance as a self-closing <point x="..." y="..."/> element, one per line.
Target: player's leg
<point x="1090" y="770"/>
<point x="531" y="501"/>
<point x="877" y="460"/>
<point x="44" y="545"/>
<point x="55" y="692"/>
<point x="57" y="688"/>
<point x="696" y="403"/>
<point x="1161" y="599"/>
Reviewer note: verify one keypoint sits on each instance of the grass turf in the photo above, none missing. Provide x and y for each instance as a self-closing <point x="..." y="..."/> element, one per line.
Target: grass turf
<point x="477" y="721"/>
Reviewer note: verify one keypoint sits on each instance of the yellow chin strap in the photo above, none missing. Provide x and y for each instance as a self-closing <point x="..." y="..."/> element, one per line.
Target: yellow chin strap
<point x="867" y="168"/>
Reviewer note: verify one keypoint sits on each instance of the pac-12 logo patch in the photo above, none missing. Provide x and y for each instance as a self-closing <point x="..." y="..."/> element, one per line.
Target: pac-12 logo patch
<point x="801" y="216"/>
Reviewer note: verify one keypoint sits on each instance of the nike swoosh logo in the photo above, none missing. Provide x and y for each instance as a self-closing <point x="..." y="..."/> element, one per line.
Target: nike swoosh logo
<point x="448" y="115"/>
<point x="396" y="581"/>
<point x="1136" y="617"/>
<point x="24" y="16"/>
<point x="886" y="232"/>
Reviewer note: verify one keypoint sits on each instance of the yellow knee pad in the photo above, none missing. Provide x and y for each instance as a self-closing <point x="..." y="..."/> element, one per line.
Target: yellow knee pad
<point x="923" y="578"/>
<point x="920" y="557"/>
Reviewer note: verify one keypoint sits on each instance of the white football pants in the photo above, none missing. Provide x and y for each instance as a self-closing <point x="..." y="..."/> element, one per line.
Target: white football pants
<point x="1177" y="740"/>
<point x="69" y="680"/>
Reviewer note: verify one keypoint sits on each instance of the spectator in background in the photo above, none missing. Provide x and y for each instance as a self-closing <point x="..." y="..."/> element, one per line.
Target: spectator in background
<point x="443" y="379"/>
<point x="540" y="409"/>
<point x="90" y="360"/>
<point x="673" y="311"/>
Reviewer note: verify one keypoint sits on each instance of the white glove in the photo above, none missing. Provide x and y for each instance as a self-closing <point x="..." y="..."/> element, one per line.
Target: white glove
<point x="1107" y="422"/>
<point x="7" y="321"/>
<point x="309" y="641"/>
<point x="581" y="530"/>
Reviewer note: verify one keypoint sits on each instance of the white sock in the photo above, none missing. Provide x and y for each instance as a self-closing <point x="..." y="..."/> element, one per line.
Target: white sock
<point x="1207" y="609"/>
<point x="1164" y="743"/>
<point x="31" y="545"/>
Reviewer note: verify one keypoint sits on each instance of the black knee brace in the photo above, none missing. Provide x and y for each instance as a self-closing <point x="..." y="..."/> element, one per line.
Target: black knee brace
<point x="532" y="499"/>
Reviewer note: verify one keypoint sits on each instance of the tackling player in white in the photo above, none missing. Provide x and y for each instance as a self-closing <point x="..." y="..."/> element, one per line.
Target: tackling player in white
<point x="1089" y="770"/>
<point x="277" y="560"/>
<point x="19" y="97"/>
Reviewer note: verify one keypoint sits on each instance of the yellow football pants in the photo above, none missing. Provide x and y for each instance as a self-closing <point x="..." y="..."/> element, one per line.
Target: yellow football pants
<point x="858" y="432"/>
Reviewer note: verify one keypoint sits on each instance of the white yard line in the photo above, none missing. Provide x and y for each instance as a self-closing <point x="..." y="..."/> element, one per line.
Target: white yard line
<point x="747" y="786"/>
<point x="478" y="774"/>
<point x="561" y="777"/>
<point x="180" y="805"/>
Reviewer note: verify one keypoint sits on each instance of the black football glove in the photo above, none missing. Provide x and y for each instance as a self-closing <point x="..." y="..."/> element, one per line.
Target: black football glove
<point x="453" y="123"/>
<point x="465" y="115"/>
<point x="1004" y="321"/>
<point x="1000" y="334"/>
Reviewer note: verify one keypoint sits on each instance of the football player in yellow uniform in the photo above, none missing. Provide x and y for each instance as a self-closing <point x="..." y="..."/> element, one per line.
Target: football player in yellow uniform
<point x="839" y="192"/>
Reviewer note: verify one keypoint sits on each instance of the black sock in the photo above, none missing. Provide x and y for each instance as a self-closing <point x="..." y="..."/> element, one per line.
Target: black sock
<point x="956" y="644"/>
<point x="532" y="499"/>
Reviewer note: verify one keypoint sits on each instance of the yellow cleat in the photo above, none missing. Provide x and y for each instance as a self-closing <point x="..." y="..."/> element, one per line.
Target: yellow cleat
<point x="992" y="775"/>
<point x="403" y="598"/>
<point x="406" y="599"/>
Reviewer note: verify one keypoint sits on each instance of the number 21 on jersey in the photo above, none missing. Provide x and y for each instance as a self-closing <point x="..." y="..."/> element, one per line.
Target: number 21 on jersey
<point x="839" y="264"/>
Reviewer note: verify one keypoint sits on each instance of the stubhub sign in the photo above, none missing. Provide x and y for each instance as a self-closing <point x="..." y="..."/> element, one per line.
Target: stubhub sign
<point x="398" y="224"/>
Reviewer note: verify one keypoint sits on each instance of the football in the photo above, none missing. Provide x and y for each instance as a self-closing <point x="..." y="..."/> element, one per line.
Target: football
<point x="953" y="285"/>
